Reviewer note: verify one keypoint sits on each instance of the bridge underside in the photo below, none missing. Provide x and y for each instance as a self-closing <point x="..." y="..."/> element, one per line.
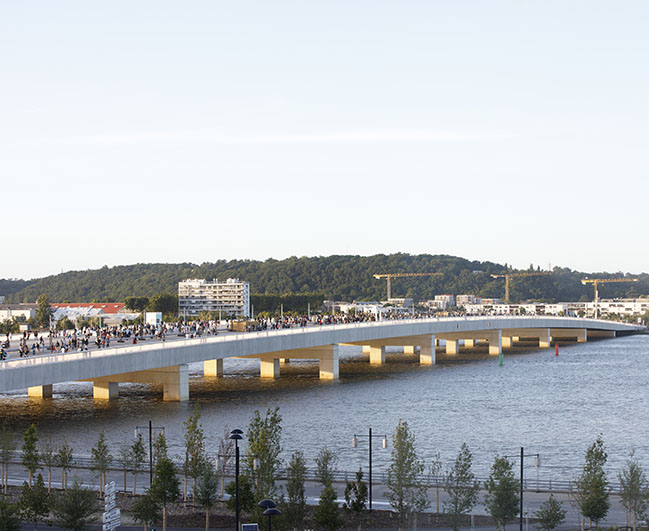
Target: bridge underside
<point x="175" y="379"/>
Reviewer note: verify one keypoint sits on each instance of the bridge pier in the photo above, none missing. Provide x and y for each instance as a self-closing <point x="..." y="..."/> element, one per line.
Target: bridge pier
<point x="103" y="390"/>
<point x="40" y="391"/>
<point x="470" y="343"/>
<point x="409" y="349"/>
<point x="377" y="355"/>
<point x="452" y="346"/>
<point x="329" y="363"/>
<point x="269" y="367"/>
<point x="175" y="384"/>
<point x="427" y="352"/>
<point x="213" y="368"/>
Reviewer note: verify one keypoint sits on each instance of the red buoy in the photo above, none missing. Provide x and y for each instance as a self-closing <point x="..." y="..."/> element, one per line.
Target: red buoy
<point x="556" y="349"/>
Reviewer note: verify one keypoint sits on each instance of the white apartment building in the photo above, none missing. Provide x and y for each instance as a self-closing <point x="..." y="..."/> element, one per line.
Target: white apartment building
<point x="463" y="300"/>
<point x="231" y="297"/>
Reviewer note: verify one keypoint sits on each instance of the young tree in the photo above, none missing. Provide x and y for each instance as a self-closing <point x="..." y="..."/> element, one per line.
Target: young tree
<point x="592" y="485"/>
<point x="76" y="507"/>
<point x="146" y="511"/>
<point x="634" y="490"/>
<point x="125" y="459"/>
<point x="159" y="448"/>
<point x="165" y="486"/>
<point x="550" y="515"/>
<point x="264" y="444"/>
<point x="356" y="498"/>
<point x="247" y="503"/>
<point x="206" y="492"/>
<point x="406" y="492"/>
<point x="326" y="462"/>
<point x="138" y="458"/>
<point x="462" y="488"/>
<point x="101" y="460"/>
<point x="7" y="447"/>
<point x="294" y="508"/>
<point x="30" y="451"/>
<point x="49" y="460"/>
<point x="435" y="471"/>
<point x="64" y="460"/>
<point x="326" y="515"/>
<point x="195" y="458"/>
<point x="34" y="501"/>
<point x="226" y="454"/>
<point x="9" y="516"/>
<point x="502" y="497"/>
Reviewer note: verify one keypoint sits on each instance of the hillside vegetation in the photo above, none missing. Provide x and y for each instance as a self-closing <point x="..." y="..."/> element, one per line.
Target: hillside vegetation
<point x="343" y="277"/>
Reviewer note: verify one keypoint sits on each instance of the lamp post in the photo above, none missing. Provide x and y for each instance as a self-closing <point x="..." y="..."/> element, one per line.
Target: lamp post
<point x="236" y="435"/>
<point x="537" y="461"/>
<point x="150" y="427"/>
<point x="384" y="444"/>
<point x="270" y="510"/>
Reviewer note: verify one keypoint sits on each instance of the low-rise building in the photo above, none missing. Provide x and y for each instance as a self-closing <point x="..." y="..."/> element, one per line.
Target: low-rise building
<point x="17" y="311"/>
<point x="231" y="298"/>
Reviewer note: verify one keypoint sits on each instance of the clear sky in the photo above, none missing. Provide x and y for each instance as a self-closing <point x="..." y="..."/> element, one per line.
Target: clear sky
<point x="157" y="131"/>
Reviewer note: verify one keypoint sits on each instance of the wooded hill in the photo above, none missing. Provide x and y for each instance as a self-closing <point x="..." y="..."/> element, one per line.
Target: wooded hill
<point x="343" y="277"/>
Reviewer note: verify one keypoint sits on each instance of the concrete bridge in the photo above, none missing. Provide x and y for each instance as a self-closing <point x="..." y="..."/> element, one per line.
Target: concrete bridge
<point x="167" y="362"/>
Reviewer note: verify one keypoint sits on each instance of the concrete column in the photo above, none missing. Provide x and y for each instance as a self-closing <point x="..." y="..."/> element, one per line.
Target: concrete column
<point x="103" y="390"/>
<point x="544" y="338"/>
<point x="282" y="361"/>
<point x="377" y="355"/>
<point x="213" y="368"/>
<point x="329" y="364"/>
<point x="470" y="343"/>
<point x="427" y="352"/>
<point x="269" y="368"/>
<point x="175" y="387"/>
<point x="495" y="342"/>
<point x="507" y="341"/>
<point x="40" y="391"/>
<point x="408" y="349"/>
<point x="451" y="346"/>
<point x="366" y="349"/>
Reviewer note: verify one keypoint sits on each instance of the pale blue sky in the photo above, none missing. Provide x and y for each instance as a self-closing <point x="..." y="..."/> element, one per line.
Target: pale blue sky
<point x="152" y="131"/>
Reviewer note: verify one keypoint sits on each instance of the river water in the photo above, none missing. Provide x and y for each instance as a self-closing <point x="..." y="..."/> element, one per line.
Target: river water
<point x="554" y="406"/>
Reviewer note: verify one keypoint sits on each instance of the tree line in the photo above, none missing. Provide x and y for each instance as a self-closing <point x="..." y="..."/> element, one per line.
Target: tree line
<point x="341" y="277"/>
<point x="75" y="506"/>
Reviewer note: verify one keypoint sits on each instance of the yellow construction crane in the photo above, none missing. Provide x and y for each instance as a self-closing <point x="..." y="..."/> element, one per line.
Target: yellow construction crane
<point x="390" y="276"/>
<point x="596" y="281"/>
<point x="507" y="276"/>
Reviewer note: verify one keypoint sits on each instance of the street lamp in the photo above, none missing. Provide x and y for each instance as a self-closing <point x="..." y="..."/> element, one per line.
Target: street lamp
<point x="270" y="510"/>
<point x="384" y="444"/>
<point x="236" y="435"/>
<point x="537" y="461"/>
<point x="151" y="428"/>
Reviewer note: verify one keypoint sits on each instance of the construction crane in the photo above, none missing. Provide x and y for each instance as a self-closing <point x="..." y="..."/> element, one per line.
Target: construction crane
<point x="390" y="276"/>
<point x="596" y="281"/>
<point x="507" y="276"/>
